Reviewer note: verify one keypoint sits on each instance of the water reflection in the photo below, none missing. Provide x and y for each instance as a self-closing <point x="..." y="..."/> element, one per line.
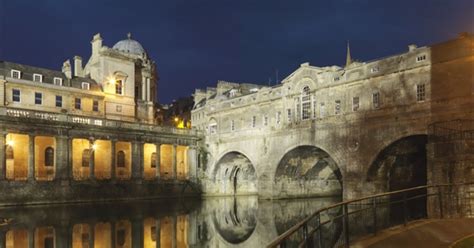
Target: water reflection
<point x="214" y="222"/>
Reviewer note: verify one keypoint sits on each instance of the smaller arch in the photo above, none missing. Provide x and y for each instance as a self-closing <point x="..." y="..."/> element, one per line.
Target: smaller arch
<point x="49" y="156"/>
<point x="226" y="178"/>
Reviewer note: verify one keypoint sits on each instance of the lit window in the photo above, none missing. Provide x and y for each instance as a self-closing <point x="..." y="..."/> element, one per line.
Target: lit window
<point x="153" y="160"/>
<point x="86" y="157"/>
<point x="77" y="103"/>
<point x="322" y="110"/>
<point x="37" y="77"/>
<point x="355" y="103"/>
<point x="49" y="157"/>
<point x="254" y="121"/>
<point x="376" y="99"/>
<point x="278" y="117"/>
<point x="16" y="74"/>
<point x="59" y="101"/>
<point x="16" y="95"/>
<point x="420" y="92"/>
<point x="85" y="86"/>
<point x="288" y="115"/>
<point x="119" y="87"/>
<point x="58" y="81"/>
<point x="421" y="58"/>
<point x="337" y="107"/>
<point x="232" y="125"/>
<point x="38" y="98"/>
<point x="95" y="106"/>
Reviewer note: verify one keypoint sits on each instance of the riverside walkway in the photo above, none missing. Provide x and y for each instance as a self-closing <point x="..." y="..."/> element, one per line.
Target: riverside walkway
<point x="422" y="233"/>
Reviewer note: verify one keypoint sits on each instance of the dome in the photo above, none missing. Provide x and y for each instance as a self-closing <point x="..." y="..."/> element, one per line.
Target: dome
<point x="129" y="46"/>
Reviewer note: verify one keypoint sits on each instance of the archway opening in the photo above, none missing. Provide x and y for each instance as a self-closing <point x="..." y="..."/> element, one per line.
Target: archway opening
<point x="402" y="165"/>
<point x="307" y="171"/>
<point x="235" y="175"/>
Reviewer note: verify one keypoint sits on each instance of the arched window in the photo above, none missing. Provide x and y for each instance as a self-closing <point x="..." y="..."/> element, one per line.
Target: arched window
<point x="305" y="103"/>
<point x="9" y="152"/>
<point x="86" y="157"/>
<point x="49" y="156"/>
<point x="153" y="160"/>
<point x="121" y="159"/>
<point x="119" y="87"/>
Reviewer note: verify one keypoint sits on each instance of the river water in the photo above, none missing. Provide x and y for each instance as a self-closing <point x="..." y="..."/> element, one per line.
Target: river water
<point x="211" y="222"/>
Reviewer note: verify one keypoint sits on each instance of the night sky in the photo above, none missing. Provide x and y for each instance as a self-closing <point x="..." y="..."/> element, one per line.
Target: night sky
<point x="197" y="42"/>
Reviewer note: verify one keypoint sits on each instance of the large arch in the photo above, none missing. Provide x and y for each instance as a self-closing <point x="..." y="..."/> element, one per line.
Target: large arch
<point x="400" y="165"/>
<point x="307" y="171"/>
<point x="234" y="174"/>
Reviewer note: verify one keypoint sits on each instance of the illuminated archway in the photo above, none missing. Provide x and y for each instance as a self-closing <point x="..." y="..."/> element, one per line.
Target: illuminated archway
<point x="234" y="174"/>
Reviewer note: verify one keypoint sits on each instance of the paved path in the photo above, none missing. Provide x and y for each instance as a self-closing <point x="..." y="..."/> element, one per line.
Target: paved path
<point x="420" y="234"/>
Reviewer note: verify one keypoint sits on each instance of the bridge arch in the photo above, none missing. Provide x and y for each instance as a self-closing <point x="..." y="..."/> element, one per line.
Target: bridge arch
<point x="307" y="171"/>
<point x="234" y="174"/>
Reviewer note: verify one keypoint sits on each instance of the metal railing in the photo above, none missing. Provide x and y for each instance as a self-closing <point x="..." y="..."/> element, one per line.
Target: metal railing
<point x="339" y="224"/>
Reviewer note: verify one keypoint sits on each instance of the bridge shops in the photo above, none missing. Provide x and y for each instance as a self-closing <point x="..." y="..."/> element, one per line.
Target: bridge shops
<point x="49" y="157"/>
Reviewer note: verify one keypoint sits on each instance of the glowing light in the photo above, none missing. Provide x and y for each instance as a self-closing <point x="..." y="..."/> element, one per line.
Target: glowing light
<point x="94" y="147"/>
<point x="10" y="143"/>
<point x="111" y="80"/>
<point x="176" y="119"/>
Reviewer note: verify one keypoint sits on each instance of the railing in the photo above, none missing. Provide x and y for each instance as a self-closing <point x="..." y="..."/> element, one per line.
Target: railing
<point x="339" y="224"/>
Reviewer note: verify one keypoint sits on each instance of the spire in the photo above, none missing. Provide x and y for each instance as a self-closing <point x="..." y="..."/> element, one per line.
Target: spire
<point x="129" y="35"/>
<point x="348" y="57"/>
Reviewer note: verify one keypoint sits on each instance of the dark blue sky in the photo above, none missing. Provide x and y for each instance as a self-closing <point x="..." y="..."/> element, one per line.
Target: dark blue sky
<point x="197" y="42"/>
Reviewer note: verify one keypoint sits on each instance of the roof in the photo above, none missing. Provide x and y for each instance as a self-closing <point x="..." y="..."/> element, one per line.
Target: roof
<point x="27" y="72"/>
<point x="129" y="46"/>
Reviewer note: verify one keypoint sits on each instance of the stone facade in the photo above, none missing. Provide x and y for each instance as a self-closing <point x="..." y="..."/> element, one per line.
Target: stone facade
<point x="361" y="128"/>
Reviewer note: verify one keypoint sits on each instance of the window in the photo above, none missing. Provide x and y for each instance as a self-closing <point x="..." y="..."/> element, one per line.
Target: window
<point x="315" y="106"/>
<point x="121" y="159"/>
<point x="254" y="121"/>
<point x="85" y="86"/>
<point x="288" y="114"/>
<point x="77" y="103"/>
<point x="38" y="98"/>
<point x="306" y="103"/>
<point x="376" y="99"/>
<point x="16" y="74"/>
<point x="278" y="117"/>
<point x="232" y="125"/>
<point x="59" y="101"/>
<point x="95" y="106"/>
<point x="86" y="157"/>
<point x="265" y="120"/>
<point x="153" y="233"/>
<point x="9" y="153"/>
<point x="153" y="160"/>
<point x="58" y="81"/>
<point x="421" y="58"/>
<point x="37" y="77"/>
<point x="16" y="95"/>
<point x="118" y="108"/>
<point x="337" y="107"/>
<point x="213" y="128"/>
<point x="355" y="103"/>
<point x="336" y="79"/>
<point x="374" y="69"/>
<point x="121" y="237"/>
<point x="49" y="157"/>
<point x="119" y="87"/>
<point x="322" y="110"/>
<point x="420" y="92"/>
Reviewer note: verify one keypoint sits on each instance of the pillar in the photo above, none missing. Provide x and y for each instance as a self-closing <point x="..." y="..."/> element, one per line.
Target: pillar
<point x="158" y="160"/>
<point x="192" y="162"/>
<point x="31" y="237"/>
<point x="112" y="234"/>
<point x="137" y="160"/>
<point x="173" y="159"/>
<point x="2" y="156"/>
<point x="143" y="88"/>
<point x="3" y="238"/>
<point x="173" y="233"/>
<point x="91" y="161"/>
<point x="137" y="233"/>
<point x="91" y="234"/>
<point x="158" y="233"/>
<point x="112" y="167"/>
<point x="69" y="158"/>
<point x="61" y="236"/>
<point x="148" y="91"/>
<point x="31" y="158"/>
<point x="61" y="162"/>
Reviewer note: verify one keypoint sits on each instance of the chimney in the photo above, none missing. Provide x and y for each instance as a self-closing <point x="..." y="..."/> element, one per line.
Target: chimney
<point x="78" y="66"/>
<point x="96" y="43"/>
<point x="412" y="47"/>
<point x="67" y="69"/>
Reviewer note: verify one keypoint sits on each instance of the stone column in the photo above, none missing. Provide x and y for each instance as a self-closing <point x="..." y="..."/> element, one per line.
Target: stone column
<point x="112" y="163"/>
<point x="62" y="158"/>
<point x="61" y="236"/>
<point x="143" y="88"/>
<point x="158" y="160"/>
<point x="31" y="237"/>
<point x="158" y="233"/>
<point x="91" y="161"/>
<point x="173" y="232"/>
<point x="69" y="158"/>
<point x="3" y="237"/>
<point x="2" y="156"/>
<point x="148" y="90"/>
<point x="137" y="161"/>
<point x="31" y="158"/>
<point x="137" y="233"/>
<point x="112" y="234"/>
<point x="91" y="234"/>
<point x="192" y="162"/>
<point x="174" y="164"/>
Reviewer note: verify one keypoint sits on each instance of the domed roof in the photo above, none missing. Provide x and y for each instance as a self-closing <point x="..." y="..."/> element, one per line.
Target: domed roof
<point x="129" y="46"/>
